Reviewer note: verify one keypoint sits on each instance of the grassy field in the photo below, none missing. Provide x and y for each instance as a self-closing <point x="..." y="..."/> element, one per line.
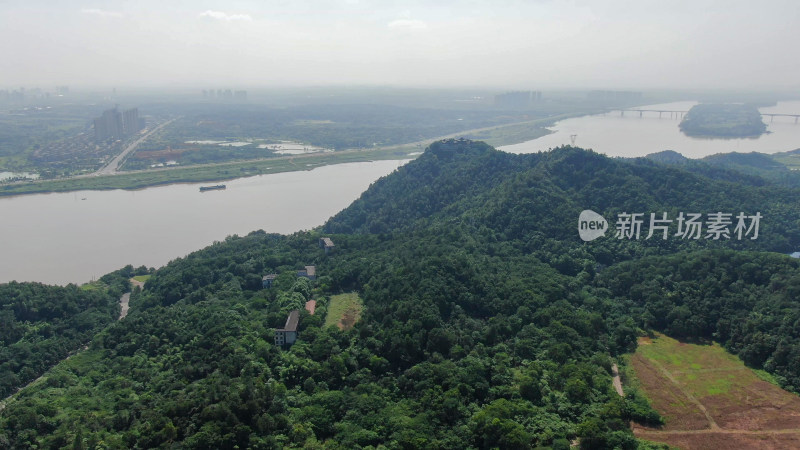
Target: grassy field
<point x="789" y="159"/>
<point x="710" y="399"/>
<point x="142" y="278"/>
<point x="344" y="310"/>
<point x="93" y="286"/>
<point x="510" y="135"/>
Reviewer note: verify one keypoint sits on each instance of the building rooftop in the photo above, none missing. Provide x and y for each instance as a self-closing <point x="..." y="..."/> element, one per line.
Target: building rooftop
<point x="291" y="321"/>
<point x="327" y="242"/>
<point x="311" y="271"/>
<point x="271" y="276"/>
<point x="795" y="255"/>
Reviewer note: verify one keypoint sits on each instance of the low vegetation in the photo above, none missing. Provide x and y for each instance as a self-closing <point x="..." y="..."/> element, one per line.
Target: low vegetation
<point x="344" y="311"/>
<point x="142" y="278"/>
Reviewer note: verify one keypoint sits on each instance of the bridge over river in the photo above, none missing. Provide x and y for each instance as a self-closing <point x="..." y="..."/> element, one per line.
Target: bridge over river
<point x="678" y="114"/>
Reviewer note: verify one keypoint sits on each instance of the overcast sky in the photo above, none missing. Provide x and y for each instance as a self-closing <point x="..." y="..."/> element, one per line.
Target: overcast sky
<point x="728" y="44"/>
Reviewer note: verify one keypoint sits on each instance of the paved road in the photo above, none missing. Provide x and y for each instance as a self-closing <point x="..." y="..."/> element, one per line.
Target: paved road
<point x="112" y="166"/>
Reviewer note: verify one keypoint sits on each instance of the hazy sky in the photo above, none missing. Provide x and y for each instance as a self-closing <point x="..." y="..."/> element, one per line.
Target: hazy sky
<point x="517" y="44"/>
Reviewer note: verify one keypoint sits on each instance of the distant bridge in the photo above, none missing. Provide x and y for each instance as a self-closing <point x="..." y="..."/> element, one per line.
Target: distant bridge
<point x="672" y="112"/>
<point x="678" y="114"/>
<point x="772" y="116"/>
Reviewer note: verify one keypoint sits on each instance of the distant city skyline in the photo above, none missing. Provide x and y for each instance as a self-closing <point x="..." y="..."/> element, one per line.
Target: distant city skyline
<point x="547" y="44"/>
<point x="116" y="124"/>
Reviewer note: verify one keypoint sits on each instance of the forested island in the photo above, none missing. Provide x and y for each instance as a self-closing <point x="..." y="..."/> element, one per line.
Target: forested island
<point x="486" y="321"/>
<point x="726" y="120"/>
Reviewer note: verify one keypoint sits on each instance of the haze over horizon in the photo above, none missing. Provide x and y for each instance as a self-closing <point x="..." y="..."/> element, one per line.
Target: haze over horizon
<point x="542" y="44"/>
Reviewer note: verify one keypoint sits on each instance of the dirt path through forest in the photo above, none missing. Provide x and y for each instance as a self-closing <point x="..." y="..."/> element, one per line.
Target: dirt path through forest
<point x="123" y="303"/>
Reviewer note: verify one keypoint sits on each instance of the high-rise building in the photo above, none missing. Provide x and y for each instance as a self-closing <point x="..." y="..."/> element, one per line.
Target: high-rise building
<point x="130" y="121"/>
<point x="109" y="125"/>
<point x="517" y="99"/>
<point x="114" y="124"/>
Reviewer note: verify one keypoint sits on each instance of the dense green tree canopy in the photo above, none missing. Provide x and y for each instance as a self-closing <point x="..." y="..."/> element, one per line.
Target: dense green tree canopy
<point x="40" y="325"/>
<point x="487" y="322"/>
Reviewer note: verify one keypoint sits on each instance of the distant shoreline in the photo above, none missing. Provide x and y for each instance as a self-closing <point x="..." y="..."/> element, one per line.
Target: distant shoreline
<point x="497" y="135"/>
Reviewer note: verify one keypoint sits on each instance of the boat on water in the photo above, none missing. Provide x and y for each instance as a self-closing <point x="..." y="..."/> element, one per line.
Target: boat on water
<point x="211" y="188"/>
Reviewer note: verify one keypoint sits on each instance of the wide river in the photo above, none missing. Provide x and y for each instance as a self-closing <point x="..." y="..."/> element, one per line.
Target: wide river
<point x="78" y="236"/>
<point x="616" y="134"/>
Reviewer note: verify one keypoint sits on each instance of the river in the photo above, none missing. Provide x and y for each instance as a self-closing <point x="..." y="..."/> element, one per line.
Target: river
<point x="62" y="238"/>
<point x="75" y="237"/>
<point x="629" y="135"/>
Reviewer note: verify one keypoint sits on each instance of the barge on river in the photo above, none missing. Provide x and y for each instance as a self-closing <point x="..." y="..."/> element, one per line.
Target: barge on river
<point x="212" y="188"/>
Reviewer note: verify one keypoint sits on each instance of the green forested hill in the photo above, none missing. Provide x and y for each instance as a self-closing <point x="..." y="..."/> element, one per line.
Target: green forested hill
<point x="754" y="169"/>
<point x="531" y="198"/>
<point x="40" y="325"/>
<point x="448" y="171"/>
<point x="487" y="322"/>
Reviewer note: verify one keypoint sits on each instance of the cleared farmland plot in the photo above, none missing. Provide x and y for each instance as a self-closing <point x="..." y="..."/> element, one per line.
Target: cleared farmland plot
<point x="710" y="399"/>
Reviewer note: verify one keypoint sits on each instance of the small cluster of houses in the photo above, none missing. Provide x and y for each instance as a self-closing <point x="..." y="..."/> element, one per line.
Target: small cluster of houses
<point x="288" y="334"/>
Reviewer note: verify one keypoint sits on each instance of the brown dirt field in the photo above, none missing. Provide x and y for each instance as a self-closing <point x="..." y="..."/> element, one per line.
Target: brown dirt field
<point x="760" y="406"/>
<point x="348" y="320"/>
<point x="744" y="412"/>
<point x="724" y="440"/>
<point x="677" y="409"/>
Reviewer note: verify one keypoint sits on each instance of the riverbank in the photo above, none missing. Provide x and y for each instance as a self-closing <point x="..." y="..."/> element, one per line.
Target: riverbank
<point x="496" y="135"/>
<point x="204" y="173"/>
